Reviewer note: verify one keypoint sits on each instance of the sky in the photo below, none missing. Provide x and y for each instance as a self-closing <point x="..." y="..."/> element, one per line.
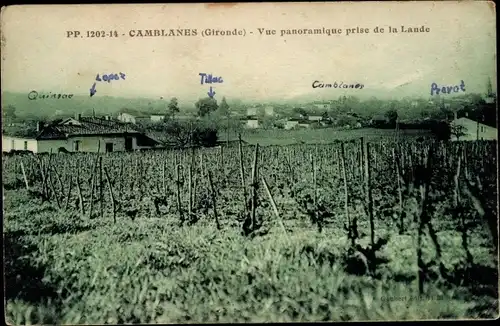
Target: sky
<point x="38" y="55"/>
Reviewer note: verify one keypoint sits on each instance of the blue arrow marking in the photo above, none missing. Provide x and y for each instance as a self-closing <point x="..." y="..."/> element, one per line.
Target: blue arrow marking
<point x="92" y="90"/>
<point x="211" y="93"/>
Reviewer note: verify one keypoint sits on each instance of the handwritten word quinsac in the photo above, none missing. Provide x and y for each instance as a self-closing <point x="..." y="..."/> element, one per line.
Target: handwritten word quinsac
<point x="34" y="95"/>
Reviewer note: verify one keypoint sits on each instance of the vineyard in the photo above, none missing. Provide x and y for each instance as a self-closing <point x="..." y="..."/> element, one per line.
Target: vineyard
<point x="351" y="230"/>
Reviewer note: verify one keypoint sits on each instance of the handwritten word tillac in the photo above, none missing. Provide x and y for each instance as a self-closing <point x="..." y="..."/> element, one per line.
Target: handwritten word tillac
<point x="210" y="79"/>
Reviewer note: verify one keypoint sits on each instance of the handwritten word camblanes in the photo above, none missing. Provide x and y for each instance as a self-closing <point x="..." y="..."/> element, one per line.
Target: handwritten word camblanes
<point x="435" y="89"/>
<point x="320" y="84"/>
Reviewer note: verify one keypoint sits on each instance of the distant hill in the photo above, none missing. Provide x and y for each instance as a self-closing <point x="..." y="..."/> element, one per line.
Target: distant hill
<point x="103" y="105"/>
<point x="326" y="94"/>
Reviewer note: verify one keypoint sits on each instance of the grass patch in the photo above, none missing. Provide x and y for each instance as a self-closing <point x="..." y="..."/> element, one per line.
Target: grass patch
<point x="152" y="271"/>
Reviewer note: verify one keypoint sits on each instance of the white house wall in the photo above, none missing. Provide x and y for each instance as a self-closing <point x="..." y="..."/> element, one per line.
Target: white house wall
<point x="87" y="144"/>
<point x="124" y="117"/>
<point x="157" y="118"/>
<point x="291" y="124"/>
<point x="15" y="143"/>
<point x="471" y="132"/>
<point x="252" y="124"/>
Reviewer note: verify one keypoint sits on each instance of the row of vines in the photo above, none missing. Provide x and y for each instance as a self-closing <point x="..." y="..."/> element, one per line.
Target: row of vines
<point x="364" y="189"/>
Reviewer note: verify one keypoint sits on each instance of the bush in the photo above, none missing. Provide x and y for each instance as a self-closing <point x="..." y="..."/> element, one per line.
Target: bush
<point x="189" y="133"/>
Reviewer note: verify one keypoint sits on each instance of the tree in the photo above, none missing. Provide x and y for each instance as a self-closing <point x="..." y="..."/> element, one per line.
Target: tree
<point x="224" y="112"/>
<point x="458" y="131"/>
<point x="300" y="111"/>
<point x="224" y="108"/>
<point x="268" y="122"/>
<point x="392" y="116"/>
<point x="9" y="113"/>
<point x="206" y="105"/>
<point x="181" y="134"/>
<point x="173" y="108"/>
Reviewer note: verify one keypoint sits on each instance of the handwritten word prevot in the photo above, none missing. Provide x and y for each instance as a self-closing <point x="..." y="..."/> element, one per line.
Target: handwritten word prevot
<point x="435" y="89"/>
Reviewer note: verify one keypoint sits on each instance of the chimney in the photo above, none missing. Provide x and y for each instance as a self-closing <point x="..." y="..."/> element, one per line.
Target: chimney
<point x="78" y="116"/>
<point x="39" y="126"/>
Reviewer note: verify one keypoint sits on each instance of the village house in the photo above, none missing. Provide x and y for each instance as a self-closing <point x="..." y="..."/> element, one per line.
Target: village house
<point x="321" y="106"/>
<point x="157" y="118"/>
<point x="468" y="129"/>
<point x="489" y="100"/>
<point x="81" y="134"/>
<point x="130" y="118"/>
<point x="304" y="124"/>
<point x="269" y="111"/>
<point x="252" y="111"/>
<point x="316" y="118"/>
<point x="252" y="123"/>
<point x="292" y="123"/>
<point x="378" y="119"/>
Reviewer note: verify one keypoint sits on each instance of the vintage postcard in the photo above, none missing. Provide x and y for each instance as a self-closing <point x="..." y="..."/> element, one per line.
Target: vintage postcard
<point x="249" y="162"/>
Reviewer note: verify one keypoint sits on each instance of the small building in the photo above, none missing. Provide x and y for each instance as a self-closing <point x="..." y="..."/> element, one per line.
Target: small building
<point x="81" y="134"/>
<point x="269" y="110"/>
<point x="126" y="117"/>
<point x="378" y="120"/>
<point x="252" y="123"/>
<point x="304" y="124"/>
<point x="252" y="111"/>
<point x="185" y="117"/>
<point x="130" y="118"/>
<point x="321" y="106"/>
<point x="315" y="118"/>
<point x="489" y="100"/>
<point x="292" y="123"/>
<point x="468" y="129"/>
<point x="157" y="118"/>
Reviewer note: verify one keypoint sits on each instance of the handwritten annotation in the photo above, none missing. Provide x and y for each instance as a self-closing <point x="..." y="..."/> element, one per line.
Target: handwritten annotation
<point x="435" y="89"/>
<point x="110" y="77"/>
<point x="34" y="95"/>
<point x="211" y="93"/>
<point x="92" y="90"/>
<point x="210" y="79"/>
<point x="319" y="84"/>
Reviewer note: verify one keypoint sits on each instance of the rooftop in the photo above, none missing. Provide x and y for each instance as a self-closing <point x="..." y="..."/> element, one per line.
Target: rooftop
<point x="84" y="126"/>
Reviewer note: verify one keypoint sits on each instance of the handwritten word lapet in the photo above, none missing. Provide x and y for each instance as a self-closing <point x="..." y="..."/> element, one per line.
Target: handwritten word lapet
<point x="210" y="79"/>
<point x="435" y="89"/>
<point x="110" y="77"/>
